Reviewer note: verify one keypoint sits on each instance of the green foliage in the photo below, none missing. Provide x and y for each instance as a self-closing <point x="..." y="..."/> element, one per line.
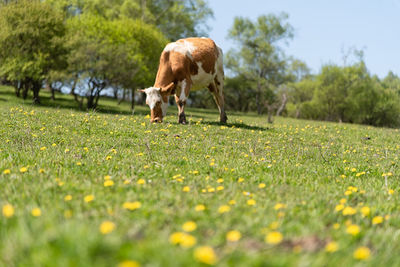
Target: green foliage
<point x="347" y="94"/>
<point x="259" y="57"/>
<point x="31" y="43"/>
<point x="121" y="53"/>
<point x="176" y="19"/>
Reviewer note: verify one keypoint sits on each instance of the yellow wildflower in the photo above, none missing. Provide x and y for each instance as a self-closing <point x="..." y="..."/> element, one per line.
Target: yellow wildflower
<point x="331" y="247"/>
<point x="106" y="227"/>
<point x="129" y="263"/>
<point x="273" y="238"/>
<point x="108" y="183"/>
<point x="377" y="220"/>
<point x="36" y="212"/>
<point x="224" y="209"/>
<point x="349" y="211"/>
<point x="362" y="253"/>
<point x="262" y="185"/>
<point x="205" y="254"/>
<point x="8" y="210"/>
<point x="189" y="226"/>
<point x="233" y="236"/>
<point x="132" y="205"/>
<point x="353" y="229"/>
<point x="365" y="211"/>
<point x="200" y="207"/>
<point x="251" y="202"/>
<point x="88" y="198"/>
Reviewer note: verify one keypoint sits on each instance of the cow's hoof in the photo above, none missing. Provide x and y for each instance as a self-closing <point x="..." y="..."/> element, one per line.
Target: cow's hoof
<point x="182" y="119"/>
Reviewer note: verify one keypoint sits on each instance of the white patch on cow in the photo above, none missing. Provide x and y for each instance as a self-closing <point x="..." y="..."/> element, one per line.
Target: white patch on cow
<point x="164" y="106"/>
<point x="185" y="48"/>
<point x="201" y="79"/>
<point x="152" y="96"/>
<point x="182" y="96"/>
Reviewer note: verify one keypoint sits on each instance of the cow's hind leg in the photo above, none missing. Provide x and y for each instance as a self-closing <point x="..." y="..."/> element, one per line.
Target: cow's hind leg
<point x="181" y="110"/>
<point x="219" y="100"/>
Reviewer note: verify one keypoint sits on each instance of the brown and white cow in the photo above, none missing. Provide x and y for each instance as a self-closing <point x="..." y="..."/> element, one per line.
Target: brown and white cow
<point x="187" y="64"/>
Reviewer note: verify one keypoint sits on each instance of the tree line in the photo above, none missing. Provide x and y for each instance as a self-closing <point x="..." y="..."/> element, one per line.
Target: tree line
<point x="91" y="46"/>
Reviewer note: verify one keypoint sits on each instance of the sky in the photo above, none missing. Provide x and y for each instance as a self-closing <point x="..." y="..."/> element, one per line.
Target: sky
<point x="324" y="29"/>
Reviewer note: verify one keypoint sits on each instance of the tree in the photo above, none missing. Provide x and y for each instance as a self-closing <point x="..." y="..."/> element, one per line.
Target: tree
<point x="176" y="19"/>
<point x="259" y="58"/>
<point x="31" y="44"/>
<point x="119" y="54"/>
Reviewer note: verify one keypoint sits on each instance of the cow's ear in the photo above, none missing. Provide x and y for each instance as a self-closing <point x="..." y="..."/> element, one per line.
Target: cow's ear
<point x="142" y="90"/>
<point x="168" y="89"/>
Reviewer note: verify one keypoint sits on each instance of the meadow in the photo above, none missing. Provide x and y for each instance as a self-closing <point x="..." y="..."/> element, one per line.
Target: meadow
<point x="108" y="188"/>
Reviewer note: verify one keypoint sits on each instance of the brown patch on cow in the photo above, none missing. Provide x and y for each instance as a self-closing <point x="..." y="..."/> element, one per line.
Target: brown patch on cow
<point x="206" y="52"/>
<point x="156" y="113"/>
<point x="308" y="244"/>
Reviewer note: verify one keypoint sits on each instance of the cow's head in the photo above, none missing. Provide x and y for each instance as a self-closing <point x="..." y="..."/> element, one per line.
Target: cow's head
<point x="157" y="99"/>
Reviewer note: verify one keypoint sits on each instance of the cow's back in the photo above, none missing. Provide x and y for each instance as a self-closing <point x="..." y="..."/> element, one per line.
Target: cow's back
<point x="199" y="58"/>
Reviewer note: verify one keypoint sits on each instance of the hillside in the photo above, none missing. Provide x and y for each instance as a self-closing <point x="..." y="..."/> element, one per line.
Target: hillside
<point x="107" y="188"/>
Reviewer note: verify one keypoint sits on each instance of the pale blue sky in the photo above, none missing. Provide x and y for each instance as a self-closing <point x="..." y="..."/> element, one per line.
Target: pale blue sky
<point x="323" y="28"/>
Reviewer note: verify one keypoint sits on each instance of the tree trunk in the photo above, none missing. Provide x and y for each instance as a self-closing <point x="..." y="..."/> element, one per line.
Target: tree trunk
<point x="258" y="99"/>
<point x="18" y="87"/>
<point x="51" y="89"/>
<point x="282" y="106"/>
<point x="26" y="85"/>
<point x="270" y="109"/>
<point x="36" y="88"/>
<point x="132" y="100"/>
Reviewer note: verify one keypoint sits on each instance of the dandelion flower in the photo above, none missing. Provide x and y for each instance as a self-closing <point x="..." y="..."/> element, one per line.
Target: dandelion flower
<point x="188" y="241"/>
<point x="6" y="171"/>
<point x="8" y="210"/>
<point x="349" y="211"/>
<point x="279" y="206"/>
<point x="353" y="229"/>
<point x="339" y="207"/>
<point x="200" y="207"/>
<point x="224" y="209"/>
<point x="132" y="205"/>
<point x="189" y="226"/>
<point x="262" y="185"/>
<point x="23" y="169"/>
<point x="129" y="263"/>
<point x="331" y="247"/>
<point x="108" y="183"/>
<point x="36" y="212"/>
<point x="273" y="238"/>
<point x="106" y="227"/>
<point x="88" y="198"/>
<point x="141" y="181"/>
<point x="67" y="198"/>
<point x="183" y="239"/>
<point x="362" y="253"/>
<point x="251" y="202"/>
<point x="205" y="254"/>
<point x="186" y="189"/>
<point x="377" y="220"/>
<point x="233" y="236"/>
<point x="365" y="211"/>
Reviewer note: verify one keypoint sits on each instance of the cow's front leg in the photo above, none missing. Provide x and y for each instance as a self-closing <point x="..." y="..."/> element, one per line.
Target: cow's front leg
<point x="181" y="110"/>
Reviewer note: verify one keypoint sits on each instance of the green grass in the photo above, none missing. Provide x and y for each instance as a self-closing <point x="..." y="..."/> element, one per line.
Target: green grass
<point x="306" y="166"/>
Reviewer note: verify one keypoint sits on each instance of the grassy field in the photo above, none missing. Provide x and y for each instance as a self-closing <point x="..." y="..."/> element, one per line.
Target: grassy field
<point x="110" y="189"/>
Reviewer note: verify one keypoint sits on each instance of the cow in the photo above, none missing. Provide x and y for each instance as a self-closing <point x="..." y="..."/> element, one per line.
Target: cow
<point x="187" y="64"/>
